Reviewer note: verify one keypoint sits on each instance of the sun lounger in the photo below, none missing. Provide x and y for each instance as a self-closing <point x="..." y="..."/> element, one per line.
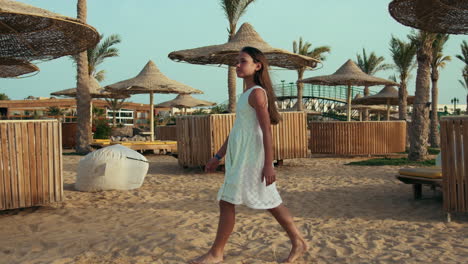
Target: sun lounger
<point x="419" y="176"/>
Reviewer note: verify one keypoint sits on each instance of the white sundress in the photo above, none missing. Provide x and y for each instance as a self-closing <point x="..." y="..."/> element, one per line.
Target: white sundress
<point x="244" y="163"/>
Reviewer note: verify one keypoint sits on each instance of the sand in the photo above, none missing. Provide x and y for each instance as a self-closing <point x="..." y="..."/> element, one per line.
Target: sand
<point x="348" y="214"/>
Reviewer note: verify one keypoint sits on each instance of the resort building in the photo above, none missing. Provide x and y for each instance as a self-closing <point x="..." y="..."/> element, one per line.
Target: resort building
<point x="131" y="114"/>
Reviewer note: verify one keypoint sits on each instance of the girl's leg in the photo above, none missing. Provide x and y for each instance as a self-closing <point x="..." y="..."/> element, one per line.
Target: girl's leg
<point x="227" y="218"/>
<point x="285" y="219"/>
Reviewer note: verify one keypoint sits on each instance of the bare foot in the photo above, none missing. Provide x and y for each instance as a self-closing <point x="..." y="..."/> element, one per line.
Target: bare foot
<point x="208" y="258"/>
<point x="297" y="251"/>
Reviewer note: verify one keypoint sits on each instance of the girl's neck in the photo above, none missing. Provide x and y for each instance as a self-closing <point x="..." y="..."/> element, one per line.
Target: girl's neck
<point x="249" y="83"/>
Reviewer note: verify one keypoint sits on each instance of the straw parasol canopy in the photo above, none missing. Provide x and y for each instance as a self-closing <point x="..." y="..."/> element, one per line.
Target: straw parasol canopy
<point x="227" y="53"/>
<point x="95" y="90"/>
<point x="31" y="33"/>
<point x="348" y="74"/>
<point x="10" y="68"/>
<point x="185" y="101"/>
<point x="439" y="16"/>
<point x="387" y="96"/>
<point x="150" y="80"/>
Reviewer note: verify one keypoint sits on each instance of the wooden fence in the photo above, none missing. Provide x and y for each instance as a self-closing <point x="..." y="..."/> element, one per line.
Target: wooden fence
<point x="357" y="138"/>
<point x="30" y="163"/>
<point x="165" y="133"/>
<point x="200" y="137"/>
<point x="454" y="148"/>
<point x="69" y="131"/>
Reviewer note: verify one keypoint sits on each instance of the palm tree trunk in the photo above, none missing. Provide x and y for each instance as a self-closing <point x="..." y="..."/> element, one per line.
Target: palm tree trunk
<point x="114" y="118"/>
<point x="365" y="113"/>
<point x="232" y="89"/>
<point x="434" y="138"/>
<point x="300" y="90"/>
<point x="402" y="100"/>
<point x="83" y="97"/>
<point x="420" y="117"/>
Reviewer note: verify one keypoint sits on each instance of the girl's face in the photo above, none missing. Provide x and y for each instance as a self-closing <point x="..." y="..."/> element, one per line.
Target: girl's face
<point x="246" y="67"/>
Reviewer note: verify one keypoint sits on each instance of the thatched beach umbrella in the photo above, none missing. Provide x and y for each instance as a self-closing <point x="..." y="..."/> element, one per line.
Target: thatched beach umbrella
<point x="185" y="101"/>
<point x="95" y="90"/>
<point x="348" y="74"/>
<point x="387" y="96"/>
<point x="150" y="80"/>
<point x="31" y="33"/>
<point x="227" y="53"/>
<point x="10" y="68"/>
<point x="439" y="16"/>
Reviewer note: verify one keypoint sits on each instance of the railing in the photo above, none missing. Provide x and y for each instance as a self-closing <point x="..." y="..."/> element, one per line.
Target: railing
<point x="338" y="93"/>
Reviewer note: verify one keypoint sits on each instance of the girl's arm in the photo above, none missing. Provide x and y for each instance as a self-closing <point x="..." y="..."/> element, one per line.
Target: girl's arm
<point x="258" y="101"/>
<point x="214" y="161"/>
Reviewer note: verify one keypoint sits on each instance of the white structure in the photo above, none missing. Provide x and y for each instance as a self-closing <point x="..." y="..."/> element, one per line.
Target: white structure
<point x="111" y="168"/>
<point x="123" y="116"/>
<point x="450" y="110"/>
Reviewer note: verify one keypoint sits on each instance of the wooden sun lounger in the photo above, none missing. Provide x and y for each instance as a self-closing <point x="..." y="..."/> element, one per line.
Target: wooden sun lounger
<point x="419" y="181"/>
<point x="158" y="146"/>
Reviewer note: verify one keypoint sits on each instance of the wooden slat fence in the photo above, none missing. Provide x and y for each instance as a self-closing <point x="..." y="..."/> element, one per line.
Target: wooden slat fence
<point x="69" y="131"/>
<point x="199" y="137"/>
<point x="30" y="163"/>
<point x="357" y="138"/>
<point x="454" y="148"/>
<point x="165" y="133"/>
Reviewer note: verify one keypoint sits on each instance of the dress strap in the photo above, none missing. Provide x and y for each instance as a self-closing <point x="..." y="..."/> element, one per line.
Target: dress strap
<point x="261" y="88"/>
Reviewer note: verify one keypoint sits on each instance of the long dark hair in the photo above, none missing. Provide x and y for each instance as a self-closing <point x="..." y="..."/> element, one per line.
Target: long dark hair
<point x="262" y="78"/>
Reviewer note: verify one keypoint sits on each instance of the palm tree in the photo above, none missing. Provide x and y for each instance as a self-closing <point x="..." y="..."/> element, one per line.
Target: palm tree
<point x="55" y="111"/>
<point x="464" y="57"/>
<point x="4" y="96"/>
<point x="115" y="105"/>
<point x="99" y="53"/>
<point x="83" y="98"/>
<point x="370" y="65"/>
<point x="464" y="49"/>
<point x="233" y="10"/>
<point x="438" y="61"/>
<point x="464" y="84"/>
<point x="304" y="49"/>
<point x="403" y="55"/>
<point x="420" y="118"/>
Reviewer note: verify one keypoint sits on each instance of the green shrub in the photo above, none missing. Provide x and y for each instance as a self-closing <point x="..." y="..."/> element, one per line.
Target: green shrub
<point x="102" y="129"/>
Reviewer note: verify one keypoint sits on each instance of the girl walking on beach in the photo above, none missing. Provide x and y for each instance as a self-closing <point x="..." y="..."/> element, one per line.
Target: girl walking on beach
<point x="250" y="177"/>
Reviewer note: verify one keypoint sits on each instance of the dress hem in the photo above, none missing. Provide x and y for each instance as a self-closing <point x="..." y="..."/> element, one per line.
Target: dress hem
<point x="250" y="206"/>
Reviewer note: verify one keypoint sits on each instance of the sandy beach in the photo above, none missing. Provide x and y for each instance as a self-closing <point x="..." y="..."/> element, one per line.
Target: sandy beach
<point x="348" y="214"/>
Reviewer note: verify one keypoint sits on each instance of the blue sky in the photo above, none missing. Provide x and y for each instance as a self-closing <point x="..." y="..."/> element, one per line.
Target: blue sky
<point x="151" y="29"/>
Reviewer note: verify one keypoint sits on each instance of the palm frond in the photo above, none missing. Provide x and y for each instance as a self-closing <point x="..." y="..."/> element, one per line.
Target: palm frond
<point x="100" y="75"/>
<point x="403" y="55"/>
<point x="234" y="9"/>
<point x="464" y="50"/>
<point x="101" y="51"/>
<point x="371" y="64"/>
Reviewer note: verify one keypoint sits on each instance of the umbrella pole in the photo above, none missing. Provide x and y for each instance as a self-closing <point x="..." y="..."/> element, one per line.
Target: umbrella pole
<point x="360" y="116"/>
<point x="378" y="116"/>
<point x="151" y="116"/>
<point x="388" y="109"/>
<point x="348" y="100"/>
